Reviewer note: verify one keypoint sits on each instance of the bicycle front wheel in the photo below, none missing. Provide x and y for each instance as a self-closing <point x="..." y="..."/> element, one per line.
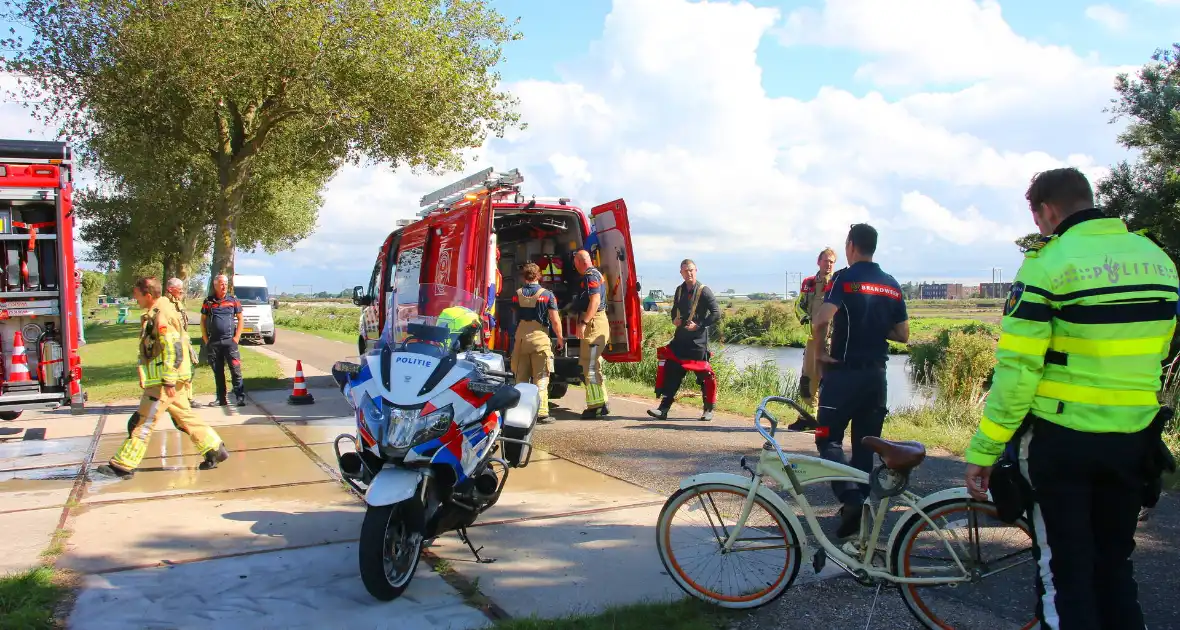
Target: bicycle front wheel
<point x="998" y="556"/>
<point x="691" y="534"/>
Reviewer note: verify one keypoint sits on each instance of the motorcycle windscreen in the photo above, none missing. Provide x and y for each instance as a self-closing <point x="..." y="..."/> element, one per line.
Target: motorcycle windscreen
<point x="456" y="252"/>
<point x="616" y="261"/>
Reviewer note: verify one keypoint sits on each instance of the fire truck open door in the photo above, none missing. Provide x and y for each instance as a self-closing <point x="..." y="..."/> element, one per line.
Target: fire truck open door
<point x="616" y="261"/>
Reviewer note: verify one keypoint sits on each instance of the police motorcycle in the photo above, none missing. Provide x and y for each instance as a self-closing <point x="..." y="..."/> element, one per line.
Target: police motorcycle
<point x="439" y="422"/>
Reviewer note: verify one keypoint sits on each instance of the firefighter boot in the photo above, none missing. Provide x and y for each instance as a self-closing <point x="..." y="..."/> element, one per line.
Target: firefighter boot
<point x="108" y="470"/>
<point x="662" y="412"/>
<point x="214" y="457"/>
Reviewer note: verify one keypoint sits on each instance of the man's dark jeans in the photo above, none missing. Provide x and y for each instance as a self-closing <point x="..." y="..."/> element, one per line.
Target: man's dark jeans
<point x="222" y="352"/>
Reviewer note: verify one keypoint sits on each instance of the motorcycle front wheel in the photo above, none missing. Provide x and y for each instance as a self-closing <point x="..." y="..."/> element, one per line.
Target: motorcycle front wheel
<point x="390" y="547"/>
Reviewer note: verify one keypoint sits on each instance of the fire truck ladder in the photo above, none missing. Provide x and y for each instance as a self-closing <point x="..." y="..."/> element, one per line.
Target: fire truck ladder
<point x="470" y="186"/>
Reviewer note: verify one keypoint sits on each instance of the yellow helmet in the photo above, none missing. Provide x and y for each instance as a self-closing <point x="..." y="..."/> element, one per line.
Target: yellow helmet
<point x="456" y="318"/>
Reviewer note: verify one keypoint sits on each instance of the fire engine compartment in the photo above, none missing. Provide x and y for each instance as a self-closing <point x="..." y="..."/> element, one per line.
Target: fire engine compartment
<point x="549" y="238"/>
<point x="31" y="290"/>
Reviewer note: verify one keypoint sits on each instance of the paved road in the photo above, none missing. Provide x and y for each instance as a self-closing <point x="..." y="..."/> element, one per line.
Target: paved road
<point x="657" y="454"/>
<point x="311" y="350"/>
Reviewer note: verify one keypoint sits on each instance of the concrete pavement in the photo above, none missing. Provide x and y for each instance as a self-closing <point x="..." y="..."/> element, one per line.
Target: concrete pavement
<point x="268" y="538"/>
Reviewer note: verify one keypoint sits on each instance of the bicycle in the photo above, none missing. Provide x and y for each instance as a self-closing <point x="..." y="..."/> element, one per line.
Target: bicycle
<point x="864" y="561"/>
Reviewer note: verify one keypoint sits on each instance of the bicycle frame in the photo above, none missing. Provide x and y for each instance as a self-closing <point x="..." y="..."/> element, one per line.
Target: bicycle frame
<point x="796" y="472"/>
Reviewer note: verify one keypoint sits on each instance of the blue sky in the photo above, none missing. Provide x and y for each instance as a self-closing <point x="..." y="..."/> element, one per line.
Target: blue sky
<point x="750" y="135"/>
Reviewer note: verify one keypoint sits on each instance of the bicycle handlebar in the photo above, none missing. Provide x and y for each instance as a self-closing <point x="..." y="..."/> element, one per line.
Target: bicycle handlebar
<point x="769" y="416"/>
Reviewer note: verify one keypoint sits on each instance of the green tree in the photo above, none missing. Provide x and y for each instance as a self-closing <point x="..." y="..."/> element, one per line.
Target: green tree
<point x="92" y="286"/>
<point x="1027" y="241"/>
<point x="1146" y="193"/>
<point x="404" y="81"/>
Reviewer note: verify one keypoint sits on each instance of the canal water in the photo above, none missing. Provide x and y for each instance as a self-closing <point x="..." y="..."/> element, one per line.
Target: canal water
<point x="903" y="391"/>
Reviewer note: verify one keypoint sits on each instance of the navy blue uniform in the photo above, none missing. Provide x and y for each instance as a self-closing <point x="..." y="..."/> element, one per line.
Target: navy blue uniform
<point x="221" y="322"/>
<point x="854" y="389"/>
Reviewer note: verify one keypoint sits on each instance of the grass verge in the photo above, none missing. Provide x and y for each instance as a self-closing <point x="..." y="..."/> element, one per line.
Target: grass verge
<point x="29" y="599"/>
<point x="687" y="614"/>
<point x="109" y="359"/>
<point x="947" y="425"/>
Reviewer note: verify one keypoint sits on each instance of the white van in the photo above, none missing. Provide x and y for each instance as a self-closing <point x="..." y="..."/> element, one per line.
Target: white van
<point x="257" y="313"/>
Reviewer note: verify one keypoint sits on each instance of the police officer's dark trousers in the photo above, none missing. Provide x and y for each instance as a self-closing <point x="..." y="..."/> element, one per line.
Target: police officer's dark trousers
<point x="850" y="394"/>
<point x="221" y="353"/>
<point x="1087" y="491"/>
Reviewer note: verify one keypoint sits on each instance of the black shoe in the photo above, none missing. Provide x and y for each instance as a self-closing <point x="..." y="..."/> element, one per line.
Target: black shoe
<point x="214" y="457"/>
<point x="595" y="412"/>
<point x="220" y="402"/>
<point x="546" y="419"/>
<point x="849" y="520"/>
<point x="658" y="414"/>
<point x="803" y="424"/>
<point x="108" y="470"/>
<point x="241" y="400"/>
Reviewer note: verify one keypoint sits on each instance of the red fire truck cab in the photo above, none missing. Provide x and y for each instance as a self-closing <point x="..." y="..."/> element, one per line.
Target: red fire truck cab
<point x="477" y="233"/>
<point x="40" y="293"/>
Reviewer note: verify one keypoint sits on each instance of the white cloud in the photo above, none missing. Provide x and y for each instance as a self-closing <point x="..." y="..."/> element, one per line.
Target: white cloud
<point x="965" y="228"/>
<point x="243" y="263"/>
<point x="668" y="111"/>
<point x="927" y="41"/>
<point x="1108" y="16"/>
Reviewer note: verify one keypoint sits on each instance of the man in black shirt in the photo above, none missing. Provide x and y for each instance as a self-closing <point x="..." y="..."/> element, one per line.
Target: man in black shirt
<point x="221" y="328"/>
<point x="694" y="310"/>
<point x="867" y="309"/>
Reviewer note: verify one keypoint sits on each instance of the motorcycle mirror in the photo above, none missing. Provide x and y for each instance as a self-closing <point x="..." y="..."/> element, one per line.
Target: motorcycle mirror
<point x="343" y="371"/>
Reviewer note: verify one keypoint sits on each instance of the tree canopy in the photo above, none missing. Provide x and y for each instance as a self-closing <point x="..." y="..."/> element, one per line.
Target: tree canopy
<point x="281" y="87"/>
<point x="1146" y="193"/>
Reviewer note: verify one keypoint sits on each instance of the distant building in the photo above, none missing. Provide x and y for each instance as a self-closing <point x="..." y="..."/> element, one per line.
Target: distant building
<point x="994" y="289"/>
<point x="940" y="291"/>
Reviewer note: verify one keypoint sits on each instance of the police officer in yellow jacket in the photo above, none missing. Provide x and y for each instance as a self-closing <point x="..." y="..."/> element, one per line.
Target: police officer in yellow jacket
<point x="1086" y="325"/>
<point x="811" y="297"/>
<point x="165" y="373"/>
<point x="532" y="352"/>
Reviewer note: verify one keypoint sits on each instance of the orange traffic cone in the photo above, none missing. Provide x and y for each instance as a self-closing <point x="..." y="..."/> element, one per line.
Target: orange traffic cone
<point x="300" y="395"/>
<point x="20" y="361"/>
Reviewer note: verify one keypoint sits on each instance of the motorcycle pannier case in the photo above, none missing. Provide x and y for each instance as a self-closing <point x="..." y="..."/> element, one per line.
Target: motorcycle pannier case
<point x="518" y="424"/>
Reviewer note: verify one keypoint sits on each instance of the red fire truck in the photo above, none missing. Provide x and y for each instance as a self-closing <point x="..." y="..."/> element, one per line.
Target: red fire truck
<point x="40" y="291"/>
<point x="476" y="234"/>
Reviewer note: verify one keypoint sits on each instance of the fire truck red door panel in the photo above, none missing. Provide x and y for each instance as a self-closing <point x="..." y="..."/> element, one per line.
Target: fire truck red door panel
<point x="406" y="256"/>
<point x="456" y="252"/>
<point x="617" y="264"/>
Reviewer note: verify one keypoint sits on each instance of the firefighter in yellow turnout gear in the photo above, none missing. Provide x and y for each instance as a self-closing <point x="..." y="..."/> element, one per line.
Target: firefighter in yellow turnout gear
<point x="532" y="352"/>
<point x="811" y="297"/>
<point x="165" y="373"/>
<point x="594" y="332"/>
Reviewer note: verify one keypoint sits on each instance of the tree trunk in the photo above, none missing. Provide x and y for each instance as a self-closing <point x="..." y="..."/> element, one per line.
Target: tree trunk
<point x="233" y="176"/>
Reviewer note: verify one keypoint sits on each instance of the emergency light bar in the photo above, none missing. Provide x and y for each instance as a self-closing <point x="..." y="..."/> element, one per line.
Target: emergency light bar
<point x="482" y="180"/>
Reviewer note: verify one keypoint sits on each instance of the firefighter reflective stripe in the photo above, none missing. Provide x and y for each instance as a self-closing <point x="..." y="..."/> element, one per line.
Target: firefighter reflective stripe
<point x="1069" y="392"/>
<point x="995" y="432"/>
<point x="1022" y="344"/>
<point x="1086" y="326"/>
<point x="210" y="441"/>
<point x="130" y="454"/>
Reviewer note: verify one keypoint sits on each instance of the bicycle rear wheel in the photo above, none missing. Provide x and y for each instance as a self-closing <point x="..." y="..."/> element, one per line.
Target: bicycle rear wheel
<point x="761" y="564"/>
<point x="988" y="547"/>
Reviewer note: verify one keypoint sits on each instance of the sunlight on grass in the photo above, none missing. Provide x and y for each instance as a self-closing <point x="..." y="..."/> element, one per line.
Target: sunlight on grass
<point x="27" y="599"/>
<point x="109" y="359"/>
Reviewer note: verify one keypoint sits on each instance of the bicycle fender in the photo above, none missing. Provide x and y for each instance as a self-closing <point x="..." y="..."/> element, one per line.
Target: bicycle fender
<point x="392" y="485"/>
<point x="743" y="482"/>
